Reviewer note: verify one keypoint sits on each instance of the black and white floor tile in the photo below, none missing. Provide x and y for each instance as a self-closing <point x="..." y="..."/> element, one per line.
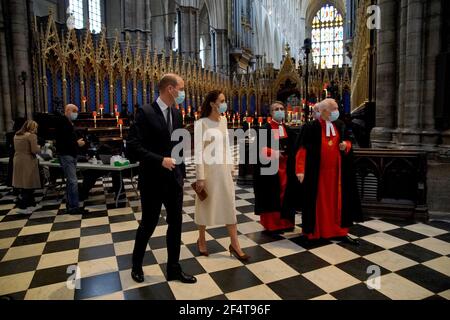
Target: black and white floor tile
<point x="40" y="253"/>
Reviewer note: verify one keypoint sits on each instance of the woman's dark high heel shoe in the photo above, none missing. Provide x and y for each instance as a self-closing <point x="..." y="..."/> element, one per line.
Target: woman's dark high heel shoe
<point x="234" y="253"/>
<point x="204" y="254"/>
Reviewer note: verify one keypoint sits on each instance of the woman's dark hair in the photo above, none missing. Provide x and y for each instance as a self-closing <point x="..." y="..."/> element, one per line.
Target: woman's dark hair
<point x="206" y="107"/>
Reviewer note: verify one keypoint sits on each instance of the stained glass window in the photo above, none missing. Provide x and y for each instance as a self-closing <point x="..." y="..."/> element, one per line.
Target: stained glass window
<point x="95" y="16"/>
<point x="328" y="38"/>
<point x="76" y="9"/>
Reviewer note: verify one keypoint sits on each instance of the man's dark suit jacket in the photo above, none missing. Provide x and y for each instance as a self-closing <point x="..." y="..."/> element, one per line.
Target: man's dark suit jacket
<point x="149" y="142"/>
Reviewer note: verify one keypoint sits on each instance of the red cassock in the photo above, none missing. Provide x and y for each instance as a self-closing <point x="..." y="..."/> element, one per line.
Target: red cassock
<point x="272" y="221"/>
<point x="328" y="202"/>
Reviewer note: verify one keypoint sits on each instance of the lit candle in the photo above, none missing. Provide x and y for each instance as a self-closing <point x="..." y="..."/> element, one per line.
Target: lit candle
<point x="269" y="119"/>
<point x="249" y="121"/>
<point x="94" y="114"/>
<point x="121" y="127"/>
<point x="184" y="115"/>
<point x="83" y="104"/>
<point x="116" y="109"/>
<point x="101" y="111"/>
<point x="117" y="117"/>
<point x="234" y="119"/>
<point x="260" y="121"/>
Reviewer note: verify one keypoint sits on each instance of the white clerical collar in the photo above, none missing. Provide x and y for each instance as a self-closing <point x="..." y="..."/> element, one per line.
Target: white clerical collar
<point x="277" y="122"/>
<point x="162" y="105"/>
<point x="330" y="129"/>
<point x="281" y="130"/>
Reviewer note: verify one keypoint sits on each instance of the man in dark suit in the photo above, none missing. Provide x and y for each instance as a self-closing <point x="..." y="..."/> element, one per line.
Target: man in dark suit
<point x="161" y="178"/>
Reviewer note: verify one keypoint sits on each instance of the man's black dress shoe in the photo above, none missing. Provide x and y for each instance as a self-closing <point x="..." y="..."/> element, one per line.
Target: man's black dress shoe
<point x="179" y="275"/>
<point x="138" y="276"/>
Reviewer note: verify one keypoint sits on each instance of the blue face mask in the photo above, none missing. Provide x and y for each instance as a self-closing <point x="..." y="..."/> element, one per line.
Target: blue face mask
<point x="317" y="115"/>
<point x="181" y="97"/>
<point x="279" y="116"/>
<point x="73" y="116"/>
<point x="223" y="108"/>
<point x="334" y="116"/>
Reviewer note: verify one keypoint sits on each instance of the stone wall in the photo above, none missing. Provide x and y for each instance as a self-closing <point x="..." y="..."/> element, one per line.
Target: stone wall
<point x="14" y="59"/>
<point x="409" y="44"/>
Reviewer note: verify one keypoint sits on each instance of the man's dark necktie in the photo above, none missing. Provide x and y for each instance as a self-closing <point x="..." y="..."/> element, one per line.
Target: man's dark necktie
<point x="169" y="120"/>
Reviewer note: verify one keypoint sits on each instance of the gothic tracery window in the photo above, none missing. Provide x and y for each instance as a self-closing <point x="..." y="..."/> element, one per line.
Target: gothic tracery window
<point x="328" y="38"/>
<point x="93" y="14"/>
<point x="76" y="9"/>
<point x="176" y="35"/>
<point x="202" y="52"/>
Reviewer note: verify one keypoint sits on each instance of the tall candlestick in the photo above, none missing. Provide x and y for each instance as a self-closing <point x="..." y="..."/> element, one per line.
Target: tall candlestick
<point x="95" y="118"/>
<point x="83" y="104"/>
<point x="121" y="127"/>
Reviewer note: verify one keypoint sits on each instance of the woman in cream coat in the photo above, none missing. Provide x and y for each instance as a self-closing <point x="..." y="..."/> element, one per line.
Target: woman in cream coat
<point x="214" y="169"/>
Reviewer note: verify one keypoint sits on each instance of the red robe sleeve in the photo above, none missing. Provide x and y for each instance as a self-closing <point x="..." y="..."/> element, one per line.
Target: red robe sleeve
<point x="267" y="153"/>
<point x="349" y="146"/>
<point x="300" y="162"/>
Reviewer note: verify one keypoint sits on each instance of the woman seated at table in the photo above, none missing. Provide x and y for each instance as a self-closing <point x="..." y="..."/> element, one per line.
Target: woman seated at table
<point x="26" y="167"/>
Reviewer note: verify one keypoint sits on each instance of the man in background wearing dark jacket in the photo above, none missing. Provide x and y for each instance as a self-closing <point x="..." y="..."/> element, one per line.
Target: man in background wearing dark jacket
<point x="67" y="145"/>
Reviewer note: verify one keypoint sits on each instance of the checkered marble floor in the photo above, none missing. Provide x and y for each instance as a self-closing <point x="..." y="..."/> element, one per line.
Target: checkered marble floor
<point x="39" y="253"/>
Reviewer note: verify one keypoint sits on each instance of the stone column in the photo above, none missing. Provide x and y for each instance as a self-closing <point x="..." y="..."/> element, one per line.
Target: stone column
<point x="5" y="95"/>
<point x="386" y="75"/>
<point x="21" y="55"/>
<point x="400" y="93"/>
<point x="414" y="75"/>
<point x="222" y="51"/>
<point x="113" y="18"/>
<point x="430" y="136"/>
<point x="189" y="45"/>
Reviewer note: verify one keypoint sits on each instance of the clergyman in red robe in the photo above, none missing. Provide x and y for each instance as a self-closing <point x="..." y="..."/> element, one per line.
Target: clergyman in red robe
<point x="324" y="166"/>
